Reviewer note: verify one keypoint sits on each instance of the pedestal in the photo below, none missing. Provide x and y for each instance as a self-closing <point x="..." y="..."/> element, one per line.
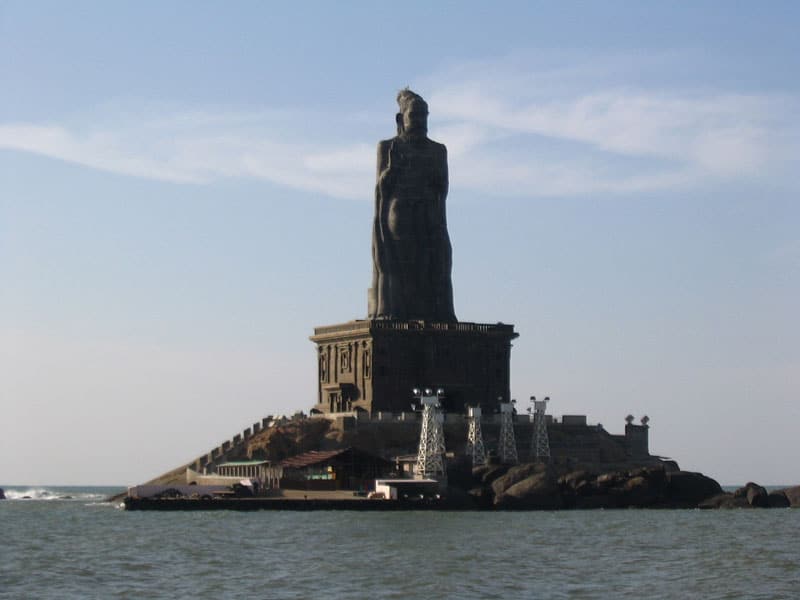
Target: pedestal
<point x="373" y="365"/>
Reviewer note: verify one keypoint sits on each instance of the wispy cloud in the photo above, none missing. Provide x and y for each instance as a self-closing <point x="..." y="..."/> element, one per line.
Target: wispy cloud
<point x="619" y="137"/>
<point x="187" y="148"/>
<point x="511" y="128"/>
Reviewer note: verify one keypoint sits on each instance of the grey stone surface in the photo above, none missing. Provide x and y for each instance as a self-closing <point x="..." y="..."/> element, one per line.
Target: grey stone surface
<point x="724" y="500"/>
<point x="537" y="492"/>
<point x="411" y="251"/>
<point x="690" y="489"/>
<point x="515" y="475"/>
<point x="778" y="499"/>
<point x="793" y="494"/>
<point x="757" y="496"/>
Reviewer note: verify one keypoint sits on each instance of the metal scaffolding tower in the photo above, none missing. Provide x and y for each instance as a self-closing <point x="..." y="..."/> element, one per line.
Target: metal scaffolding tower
<point x="540" y="444"/>
<point x="475" y="447"/>
<point x="508" y="444"/>
<point x="430" y="456"/>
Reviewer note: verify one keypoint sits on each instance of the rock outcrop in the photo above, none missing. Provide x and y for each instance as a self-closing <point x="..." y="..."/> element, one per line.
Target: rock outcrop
<point x="778" y="499"/>
<point x="752" y="495"/>
<point x="533" y="486"/>
<point x="686" y="489"/>
<point x="793" y="495"/>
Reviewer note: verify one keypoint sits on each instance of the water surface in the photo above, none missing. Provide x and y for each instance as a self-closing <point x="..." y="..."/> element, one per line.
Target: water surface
<point x="82" y="547"/>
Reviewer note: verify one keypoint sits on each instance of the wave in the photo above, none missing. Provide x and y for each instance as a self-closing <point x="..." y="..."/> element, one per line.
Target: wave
<point x="55" y="493"/>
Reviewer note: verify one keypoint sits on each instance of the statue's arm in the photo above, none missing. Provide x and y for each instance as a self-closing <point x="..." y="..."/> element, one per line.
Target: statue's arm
<point x="383" y="157"/>
<point x="378" y="245"/>
<point x="445" y="184"/>
<point x="442" y="185"/>
<point x="387" y="163"/>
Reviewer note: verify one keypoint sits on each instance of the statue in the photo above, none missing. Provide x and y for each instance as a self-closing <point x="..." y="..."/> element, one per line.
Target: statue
<point x="411" y="252"/>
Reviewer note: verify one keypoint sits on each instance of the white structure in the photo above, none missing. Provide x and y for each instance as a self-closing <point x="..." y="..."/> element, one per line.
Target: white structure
<point x="508" y="444"/>
<point x="540" y="444"/>
<point x="430" y="456"/>
<point x="475" y="437"/>
<point x="406" y="489"/>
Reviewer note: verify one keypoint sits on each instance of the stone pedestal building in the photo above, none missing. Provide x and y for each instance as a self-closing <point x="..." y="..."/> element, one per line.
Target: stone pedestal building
<point x="374" y="364"/>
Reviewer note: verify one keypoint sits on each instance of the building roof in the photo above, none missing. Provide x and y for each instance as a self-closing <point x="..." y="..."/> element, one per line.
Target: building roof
<point x="315" y="457"/>
<point x="243" y="463"/>
<point x="311" y="458"/>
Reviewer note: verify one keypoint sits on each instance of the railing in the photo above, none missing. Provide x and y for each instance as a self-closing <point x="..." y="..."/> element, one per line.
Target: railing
<point x="413" y="325"/>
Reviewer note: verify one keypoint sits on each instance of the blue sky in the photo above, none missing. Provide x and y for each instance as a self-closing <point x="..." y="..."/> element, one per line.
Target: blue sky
<point x="187" y="191"/>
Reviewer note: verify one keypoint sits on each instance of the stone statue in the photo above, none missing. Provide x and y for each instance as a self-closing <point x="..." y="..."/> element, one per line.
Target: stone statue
<point x="411" y="252"/>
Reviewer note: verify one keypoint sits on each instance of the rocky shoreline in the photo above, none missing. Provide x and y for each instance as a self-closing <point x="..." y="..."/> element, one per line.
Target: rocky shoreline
<point x="561" y="484"/>
<point x="531" y="486"/>
<point x="537" y="486"/>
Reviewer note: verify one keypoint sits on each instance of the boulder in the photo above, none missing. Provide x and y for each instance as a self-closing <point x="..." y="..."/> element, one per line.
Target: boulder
<point x="778" y="499"/>
<point x="607" y="481"/>
<point x="755" y="495"/>
<point x="758" y="497"/>
<point x="793" y="495"/>
<point x="575" y="480"/>
<point x="685" y="489"/>
<point x="537" y="492"/>
<point x="724" y="500"/>
<point x="640" y="492"/>
<point x="655" y="475"/>
<point x="493" y="472"/>
<point x="2" y="494"/>
<point x="515" y="475"/>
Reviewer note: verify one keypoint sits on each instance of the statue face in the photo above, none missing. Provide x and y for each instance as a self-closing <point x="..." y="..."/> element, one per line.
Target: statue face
<point x="415" y="119"/>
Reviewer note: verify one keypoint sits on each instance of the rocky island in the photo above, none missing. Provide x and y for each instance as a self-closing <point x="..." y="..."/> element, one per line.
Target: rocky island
<point x="463" y="445"/>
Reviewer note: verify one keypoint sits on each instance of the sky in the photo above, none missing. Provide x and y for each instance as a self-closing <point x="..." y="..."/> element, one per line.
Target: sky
<point x="186" y="191"/>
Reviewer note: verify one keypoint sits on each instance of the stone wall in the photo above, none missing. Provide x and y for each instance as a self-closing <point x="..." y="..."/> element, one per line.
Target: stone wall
<point x="232" y="447"/>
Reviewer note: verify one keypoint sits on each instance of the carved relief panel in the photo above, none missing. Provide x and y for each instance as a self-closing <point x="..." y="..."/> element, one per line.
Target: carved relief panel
<point x="324" y="364"/>
<point x="366" y="361"/>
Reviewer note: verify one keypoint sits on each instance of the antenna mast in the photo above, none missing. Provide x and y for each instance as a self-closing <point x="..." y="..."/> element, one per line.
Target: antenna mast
<point x="430" y="456"/>
<point x="508" y="444"/>
<point x="475" y="447"/>
<point x="540" y="445"/>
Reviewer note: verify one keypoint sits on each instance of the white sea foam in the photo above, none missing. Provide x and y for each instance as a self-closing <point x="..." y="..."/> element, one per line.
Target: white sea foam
<point x="45" y="493"/>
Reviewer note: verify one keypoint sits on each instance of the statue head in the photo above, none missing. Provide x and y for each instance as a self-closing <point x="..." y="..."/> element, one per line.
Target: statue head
<point x="412" y="120"/>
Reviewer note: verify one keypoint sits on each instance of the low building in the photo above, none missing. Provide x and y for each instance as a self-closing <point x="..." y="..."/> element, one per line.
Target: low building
<point x="244" y="469"/>
<point x="345" y="469"/>
<point x="227" y="473"/>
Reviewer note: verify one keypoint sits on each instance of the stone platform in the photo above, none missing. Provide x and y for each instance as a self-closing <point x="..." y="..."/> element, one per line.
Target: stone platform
<point x="374" y="364"/>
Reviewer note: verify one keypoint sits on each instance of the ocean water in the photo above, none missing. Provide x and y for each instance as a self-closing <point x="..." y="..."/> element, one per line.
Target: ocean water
<point x="68" y="543"/>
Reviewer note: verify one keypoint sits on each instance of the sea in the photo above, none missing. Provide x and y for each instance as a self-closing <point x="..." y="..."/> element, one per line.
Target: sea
<point x="68" y="542"/>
